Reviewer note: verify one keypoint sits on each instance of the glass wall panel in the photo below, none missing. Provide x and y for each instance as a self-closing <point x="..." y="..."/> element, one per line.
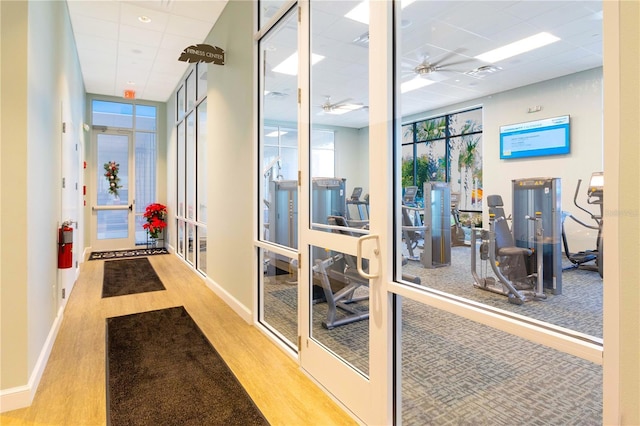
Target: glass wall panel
<point x="146" y="167"/>
<point x="201" y="180"/>
<point x="278" y="190"/>
<point x="181" y="103"/>
<point x="339" y="101"/>
<point x="456" y="371"/>
<point x="112" y="114"/>
<point x="279" y="135"/>
<point x="181" y="170"/>
<point x="191" y="90"/>
<point x="202" y="249"/>
<point x="268" y="9"/>
<point x="146" y="119"/>
<point x="453" y="101"/>
<point x="202" y="80"/>
<point x="279" y="295"/>
<point x="190" y="171"/>
<point x="191" y="243"/>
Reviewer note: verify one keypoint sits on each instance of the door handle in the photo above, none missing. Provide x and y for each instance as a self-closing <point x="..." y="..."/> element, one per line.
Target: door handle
<point x="130" y="207"/>
<point x="376" y="251"/>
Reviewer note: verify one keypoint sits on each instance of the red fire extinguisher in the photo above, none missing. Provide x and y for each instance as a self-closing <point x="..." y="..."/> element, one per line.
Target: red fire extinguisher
<point x="65" y="246"/>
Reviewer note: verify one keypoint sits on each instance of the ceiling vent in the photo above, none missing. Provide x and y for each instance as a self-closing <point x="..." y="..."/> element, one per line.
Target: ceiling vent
<point x="483" y="71"/>
<point x="362" y="40"/>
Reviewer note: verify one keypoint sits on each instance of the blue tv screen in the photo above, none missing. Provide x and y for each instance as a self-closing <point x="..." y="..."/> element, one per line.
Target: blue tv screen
<point x="549" y="136"/>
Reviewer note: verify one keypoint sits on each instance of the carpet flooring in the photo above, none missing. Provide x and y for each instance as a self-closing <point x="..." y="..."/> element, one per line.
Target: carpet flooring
<point x="162" y="370"/>
<point x="129" y="276"/>
<point x="119" y="254"/>
<point x="458" y="372"/>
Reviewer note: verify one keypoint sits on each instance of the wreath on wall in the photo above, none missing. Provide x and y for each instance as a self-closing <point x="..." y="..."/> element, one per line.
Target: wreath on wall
<point x="111" y="173"/>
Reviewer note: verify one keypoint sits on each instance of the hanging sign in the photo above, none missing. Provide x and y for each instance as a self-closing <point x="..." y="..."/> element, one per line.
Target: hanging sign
<point x="203" y="53"/>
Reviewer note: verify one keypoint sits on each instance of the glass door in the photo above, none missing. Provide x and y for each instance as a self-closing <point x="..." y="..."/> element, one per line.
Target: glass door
<point x="340" y="251"/>
<point x="112" y="211"/>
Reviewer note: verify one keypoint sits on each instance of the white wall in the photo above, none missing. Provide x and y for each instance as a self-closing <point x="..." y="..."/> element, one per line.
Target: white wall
<point x="43" y="88"/>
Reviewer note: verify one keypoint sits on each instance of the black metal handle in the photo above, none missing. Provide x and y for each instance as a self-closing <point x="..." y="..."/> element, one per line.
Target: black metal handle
<point x="131" y="207"/>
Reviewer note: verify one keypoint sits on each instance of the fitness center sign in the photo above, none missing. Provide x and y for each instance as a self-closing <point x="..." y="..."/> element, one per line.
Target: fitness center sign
<point x="203" y="53"/>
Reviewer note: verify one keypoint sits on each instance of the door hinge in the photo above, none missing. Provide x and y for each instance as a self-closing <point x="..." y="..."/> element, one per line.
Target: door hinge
<point x="64" y="127"/>
<point x="299" y="177"/>
<point x="299" y="343"/>
<point x="63" y="183"/>
<point x="299" y="96"/>
<point x="76" y="186"/>
<point x="64" y="293"/>
<point x="299" y="14"/>
<point x="299" y="260"/>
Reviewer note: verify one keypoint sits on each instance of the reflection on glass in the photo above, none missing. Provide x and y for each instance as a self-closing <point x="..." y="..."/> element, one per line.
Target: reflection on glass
<point x="278" y="189"/>
<point x="279" y="136"/>
<point x="279" y="283"/>
<point x="191" y="90"/>
<point x="456" y="371"/>
<point x="181" y="170"/>
<point x="113" y="148"/>
<point x="201" y="141"/>
<point x="180" y="226"/>
<point x="442" y="140"/>
<point x="112" y="224"/>
<point x="340" y="306"/>
<point x="339" y="115"/>
<point x="191" y="166"/>
<point x="146" y="118"/>
<point x="202" y="80"/>
<point x="112" y="114"/>
<point x="191" y="254"/>
<point x="202" y="249"/>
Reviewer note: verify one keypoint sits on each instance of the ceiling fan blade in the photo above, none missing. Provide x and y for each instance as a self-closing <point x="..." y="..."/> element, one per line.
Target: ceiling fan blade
<point x="339" y="103"/>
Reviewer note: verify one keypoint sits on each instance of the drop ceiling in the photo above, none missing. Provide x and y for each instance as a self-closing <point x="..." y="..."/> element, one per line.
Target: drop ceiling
<point x="118" y="52"/>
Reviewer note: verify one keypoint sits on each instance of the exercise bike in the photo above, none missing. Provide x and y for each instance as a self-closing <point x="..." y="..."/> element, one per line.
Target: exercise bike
<point x="595" y="196"/>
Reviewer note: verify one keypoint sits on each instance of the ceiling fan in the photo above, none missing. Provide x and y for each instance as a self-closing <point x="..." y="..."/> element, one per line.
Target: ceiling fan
<point x="340" y="107"/>
<point x="435" y="71"/>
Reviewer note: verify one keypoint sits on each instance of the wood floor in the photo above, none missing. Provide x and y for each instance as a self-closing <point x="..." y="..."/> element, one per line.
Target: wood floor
<point x="72" y="389"/>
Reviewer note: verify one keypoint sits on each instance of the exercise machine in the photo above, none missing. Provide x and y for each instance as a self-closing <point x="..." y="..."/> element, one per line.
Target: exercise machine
<point x="412" y="227"/>
<point x="457" y="232"/>
<point x="543" y="195"/>
<point x="510" y="264"/>
<point x="595" y="196"/>
<point x="437" y="224"/>
<point x="357" y="209"/>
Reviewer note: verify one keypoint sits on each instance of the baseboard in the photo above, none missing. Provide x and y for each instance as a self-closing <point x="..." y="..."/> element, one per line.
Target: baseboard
<point x="22" y="396"/>
<point x="233" y="303"/>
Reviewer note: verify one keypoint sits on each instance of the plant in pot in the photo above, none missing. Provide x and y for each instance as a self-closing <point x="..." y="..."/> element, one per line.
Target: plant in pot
<point x="156" y="215"/>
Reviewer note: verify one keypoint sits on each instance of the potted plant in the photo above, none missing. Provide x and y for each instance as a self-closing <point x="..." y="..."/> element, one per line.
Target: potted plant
<point x="156" y="215"/>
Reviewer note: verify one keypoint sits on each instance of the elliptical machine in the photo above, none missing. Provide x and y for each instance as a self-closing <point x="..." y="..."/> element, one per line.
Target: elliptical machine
<point x="508" y="262"/>
<point x="595" y="196"/>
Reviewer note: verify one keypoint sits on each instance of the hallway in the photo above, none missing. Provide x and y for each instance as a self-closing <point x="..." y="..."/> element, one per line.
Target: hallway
<point x="72" y="389"/>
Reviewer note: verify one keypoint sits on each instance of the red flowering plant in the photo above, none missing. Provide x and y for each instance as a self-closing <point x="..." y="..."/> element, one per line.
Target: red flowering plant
<point x="156" y="215"/>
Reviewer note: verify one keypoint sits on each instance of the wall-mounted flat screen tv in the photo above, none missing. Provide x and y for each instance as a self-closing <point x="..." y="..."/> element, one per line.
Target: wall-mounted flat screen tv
<point x="549" y="136"/>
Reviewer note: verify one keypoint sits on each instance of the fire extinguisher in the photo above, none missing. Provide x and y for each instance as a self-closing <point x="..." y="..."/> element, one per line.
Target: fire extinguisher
<point x="65" y="246"/>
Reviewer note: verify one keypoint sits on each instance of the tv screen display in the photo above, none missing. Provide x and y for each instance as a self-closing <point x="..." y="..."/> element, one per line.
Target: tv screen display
<point x="549" y="136"/>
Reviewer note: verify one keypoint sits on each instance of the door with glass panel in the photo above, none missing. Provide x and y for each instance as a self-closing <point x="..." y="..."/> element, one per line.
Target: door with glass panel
<point x="339" y="248"/>
<point x="113" y="221"/>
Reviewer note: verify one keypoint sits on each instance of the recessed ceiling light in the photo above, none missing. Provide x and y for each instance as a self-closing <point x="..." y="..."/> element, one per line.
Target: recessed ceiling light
<point x="360" y="13"/>
<point x="276" y="133"/>
<point x="518" y="47"/>
<point x="144" y="19"/>
<point x="344" y="108"/>
<point x="415" y="83"/>
<point x="290" y="65"/>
